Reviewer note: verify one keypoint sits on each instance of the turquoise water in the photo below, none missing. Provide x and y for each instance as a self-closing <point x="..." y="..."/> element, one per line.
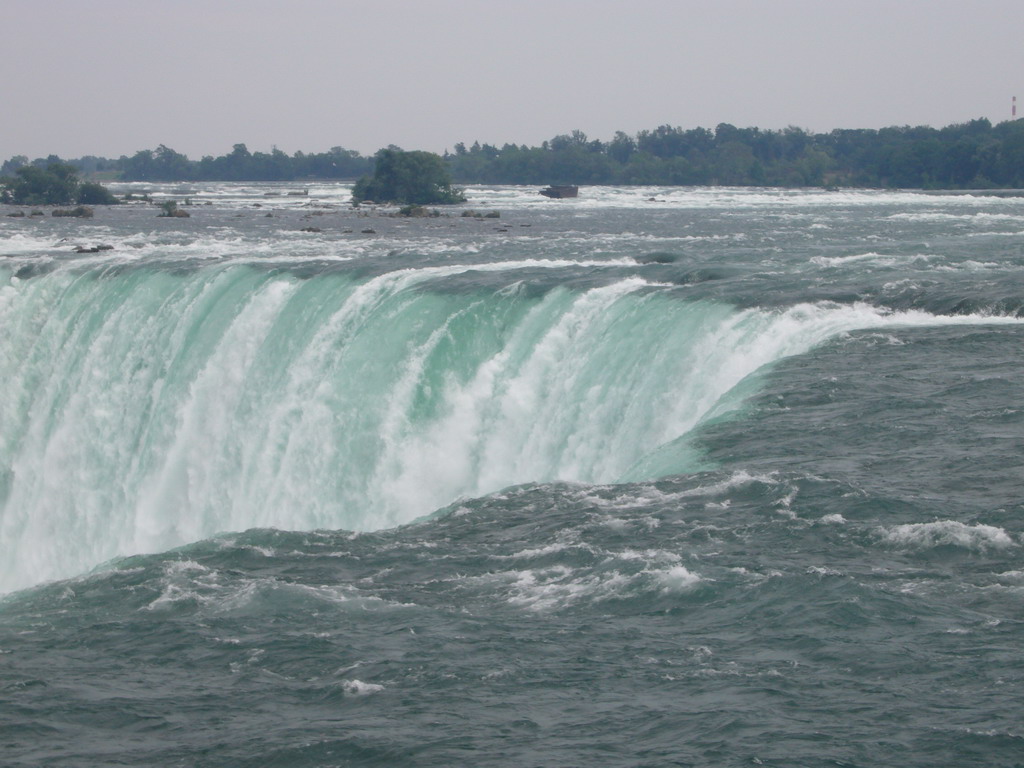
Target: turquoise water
<point x="651" y="477"/>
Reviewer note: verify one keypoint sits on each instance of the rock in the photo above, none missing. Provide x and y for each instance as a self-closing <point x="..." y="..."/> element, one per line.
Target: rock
<point x="78" y="212"/>
<point x="172" y="211"/>
<point x="559" y="191"/>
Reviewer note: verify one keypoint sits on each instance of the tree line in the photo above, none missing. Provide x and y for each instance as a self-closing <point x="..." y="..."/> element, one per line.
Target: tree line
<point x="971" y="155"/>
<point x="165" y="164"/>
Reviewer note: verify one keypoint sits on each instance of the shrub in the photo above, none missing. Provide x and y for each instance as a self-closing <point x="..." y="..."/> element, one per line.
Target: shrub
<point x="415" y="178"/>
<point x="91" y="193"/>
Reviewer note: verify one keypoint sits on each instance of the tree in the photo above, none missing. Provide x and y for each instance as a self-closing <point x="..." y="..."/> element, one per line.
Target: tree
<point x="91" y="193"/>
<point x="10" y="166"/>
<point x="56" y="184"/>
<point x="419" y="178"/>
<point x="162" y="164"/>
<point x="621" y="148"/>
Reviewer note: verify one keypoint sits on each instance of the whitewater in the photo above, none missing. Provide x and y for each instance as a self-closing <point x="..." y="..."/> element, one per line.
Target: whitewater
<point x="655" y="476"/>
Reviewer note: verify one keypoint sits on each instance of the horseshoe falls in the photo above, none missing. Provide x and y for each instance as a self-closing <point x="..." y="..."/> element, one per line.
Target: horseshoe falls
<point x="655" y="476"/>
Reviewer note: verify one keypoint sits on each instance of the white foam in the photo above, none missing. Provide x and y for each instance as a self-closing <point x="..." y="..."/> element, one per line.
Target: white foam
<point x="550" y="549"/>
<point x="676" y="579"/>
<point x="640" y="496"/>
<point x="818" y="570"/>
<point x="359" y="688"/>
<point x="184" y="582"/>
<point x="560" y="586"/>
<point x="968" y="217"/>
<point x="977" y="538"/>
<point x="649" y="555"/>
<point x="877" y="259"/>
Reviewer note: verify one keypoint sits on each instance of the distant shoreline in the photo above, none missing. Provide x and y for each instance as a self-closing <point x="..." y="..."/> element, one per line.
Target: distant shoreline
<point x="967" y="157"/>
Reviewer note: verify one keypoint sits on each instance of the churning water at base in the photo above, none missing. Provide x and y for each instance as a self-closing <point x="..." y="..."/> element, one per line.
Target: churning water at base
<point x="654" y="477"/>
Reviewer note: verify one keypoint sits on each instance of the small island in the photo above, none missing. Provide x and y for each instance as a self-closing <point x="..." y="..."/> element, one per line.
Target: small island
<point x="407" y="178"/>
<point x="56" y="184"/>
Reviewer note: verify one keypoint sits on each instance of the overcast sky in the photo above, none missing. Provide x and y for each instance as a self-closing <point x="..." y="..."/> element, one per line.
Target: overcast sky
<point x="110" y="77"/>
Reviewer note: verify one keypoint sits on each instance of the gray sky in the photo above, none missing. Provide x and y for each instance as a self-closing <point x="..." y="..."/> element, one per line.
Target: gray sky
<point x="110" y="77"/>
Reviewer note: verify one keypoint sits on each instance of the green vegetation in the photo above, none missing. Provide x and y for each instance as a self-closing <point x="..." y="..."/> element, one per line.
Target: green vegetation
<point x="56" y="184"/>
<point x="974" y="155"/>
<point x="971" y="155"/>
<point x="416" y="178"/>
<point x="91" y="193"/>
<point x="164" y="164"/>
